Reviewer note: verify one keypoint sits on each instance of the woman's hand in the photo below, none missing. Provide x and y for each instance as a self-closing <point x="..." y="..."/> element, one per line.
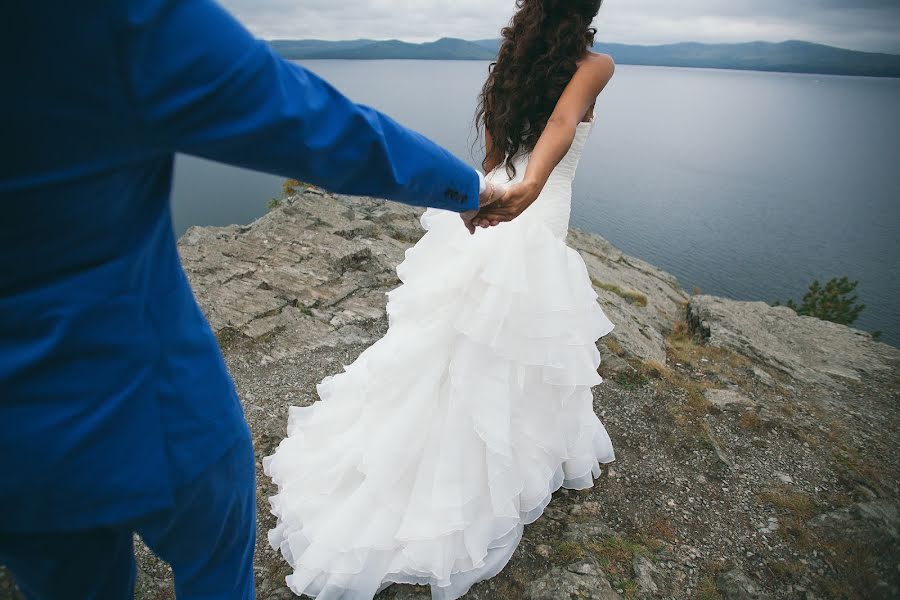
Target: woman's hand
<point x="517" y="198"/>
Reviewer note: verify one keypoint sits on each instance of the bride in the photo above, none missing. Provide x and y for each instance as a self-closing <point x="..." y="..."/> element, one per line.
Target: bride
<point x="428" y="455"/>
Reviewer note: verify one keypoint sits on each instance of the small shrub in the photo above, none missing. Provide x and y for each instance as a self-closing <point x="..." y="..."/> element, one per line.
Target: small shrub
<point x="829" y="303"/>
<point x="568" y="552"/>
<point x="290" y="187"/>
<point x="654" y="369"/>
<point x="708" y="590"/>
<point x="632" y="379"/>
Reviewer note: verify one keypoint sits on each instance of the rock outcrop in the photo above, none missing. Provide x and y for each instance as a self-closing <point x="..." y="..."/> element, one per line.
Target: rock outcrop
<point x="316" y="269"/>
<point x="804" y="348"/>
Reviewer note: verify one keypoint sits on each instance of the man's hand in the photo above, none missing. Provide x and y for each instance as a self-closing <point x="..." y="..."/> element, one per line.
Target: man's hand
<point x="517" y="198"/>
<point x="492" y="194"/>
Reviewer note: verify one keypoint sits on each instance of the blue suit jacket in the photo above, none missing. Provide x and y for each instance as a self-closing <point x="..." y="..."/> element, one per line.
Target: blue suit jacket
<point x="112" y="388"/>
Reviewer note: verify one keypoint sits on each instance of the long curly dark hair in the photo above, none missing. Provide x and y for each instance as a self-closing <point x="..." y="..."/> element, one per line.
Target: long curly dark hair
<point x="538" y="56"/>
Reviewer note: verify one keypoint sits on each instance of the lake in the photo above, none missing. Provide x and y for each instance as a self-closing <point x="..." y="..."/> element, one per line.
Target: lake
<point x="743" y="184"/>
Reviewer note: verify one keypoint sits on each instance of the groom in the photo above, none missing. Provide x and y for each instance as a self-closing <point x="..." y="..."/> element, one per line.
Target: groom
<point x="117" y="413"/>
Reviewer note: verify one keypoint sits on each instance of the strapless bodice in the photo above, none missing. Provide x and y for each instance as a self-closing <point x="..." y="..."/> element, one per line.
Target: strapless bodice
<point x="553" y="205"/>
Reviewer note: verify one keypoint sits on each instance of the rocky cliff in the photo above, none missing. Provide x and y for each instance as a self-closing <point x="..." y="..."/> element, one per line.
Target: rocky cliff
<point x="757" y="450"/>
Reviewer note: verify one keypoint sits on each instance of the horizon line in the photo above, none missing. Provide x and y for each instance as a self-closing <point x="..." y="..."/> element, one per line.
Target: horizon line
<point x="447" y="37"/>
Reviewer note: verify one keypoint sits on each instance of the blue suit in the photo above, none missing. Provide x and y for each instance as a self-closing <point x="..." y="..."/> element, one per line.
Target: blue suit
<point x="113" y="393"/>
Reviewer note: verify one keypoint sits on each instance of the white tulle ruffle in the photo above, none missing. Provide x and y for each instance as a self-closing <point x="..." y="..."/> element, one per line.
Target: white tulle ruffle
<point x="425" y="458"/>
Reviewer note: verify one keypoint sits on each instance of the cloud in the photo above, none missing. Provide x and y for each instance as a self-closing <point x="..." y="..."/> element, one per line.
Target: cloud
<point x="859" y="24"/>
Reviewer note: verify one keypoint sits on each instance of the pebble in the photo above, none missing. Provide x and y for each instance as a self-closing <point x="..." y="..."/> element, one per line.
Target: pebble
<point x="784" y="477"/>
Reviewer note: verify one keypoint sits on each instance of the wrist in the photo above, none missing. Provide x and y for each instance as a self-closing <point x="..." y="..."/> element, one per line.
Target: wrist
<point x="482" y="182"/>
<point x="489" y="195"/>
<point x="532" y="188"/>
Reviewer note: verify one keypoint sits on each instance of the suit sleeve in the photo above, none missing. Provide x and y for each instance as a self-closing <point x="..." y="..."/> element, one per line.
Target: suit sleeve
<point x="203" y="85"/>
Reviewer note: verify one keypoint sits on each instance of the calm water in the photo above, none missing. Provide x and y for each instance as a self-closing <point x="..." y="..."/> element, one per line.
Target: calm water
<point x="745" y="185"/>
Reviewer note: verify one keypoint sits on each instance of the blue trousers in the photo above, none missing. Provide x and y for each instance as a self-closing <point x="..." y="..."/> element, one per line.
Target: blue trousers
<point x="208" y="538"/>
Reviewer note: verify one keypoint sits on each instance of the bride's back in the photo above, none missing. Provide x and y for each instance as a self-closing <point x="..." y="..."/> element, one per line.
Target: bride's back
<point x="553" y="205"/>
<point x="542" y="50"/>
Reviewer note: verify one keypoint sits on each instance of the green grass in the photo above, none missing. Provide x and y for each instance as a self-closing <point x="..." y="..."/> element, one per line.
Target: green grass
<point x="631" y="296"/>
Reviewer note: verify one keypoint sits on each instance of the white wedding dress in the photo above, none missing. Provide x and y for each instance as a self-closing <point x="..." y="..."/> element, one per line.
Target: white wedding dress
<point x="426" y="457"/>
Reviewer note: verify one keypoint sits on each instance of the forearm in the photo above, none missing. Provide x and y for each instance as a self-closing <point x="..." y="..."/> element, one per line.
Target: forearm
<point x="307" y="130"/>
<point x="551" y="147"/>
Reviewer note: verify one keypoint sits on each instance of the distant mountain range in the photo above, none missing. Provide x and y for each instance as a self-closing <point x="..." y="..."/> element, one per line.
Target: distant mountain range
<point x="790" y="56"/>
<point x="442" y="49"/>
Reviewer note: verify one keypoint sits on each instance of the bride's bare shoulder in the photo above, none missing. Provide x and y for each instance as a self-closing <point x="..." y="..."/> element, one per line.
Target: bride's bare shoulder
<point x="601" y="65"/>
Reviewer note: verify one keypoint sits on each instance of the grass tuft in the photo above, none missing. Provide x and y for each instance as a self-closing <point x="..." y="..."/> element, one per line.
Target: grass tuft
<point x="630" y="296"/>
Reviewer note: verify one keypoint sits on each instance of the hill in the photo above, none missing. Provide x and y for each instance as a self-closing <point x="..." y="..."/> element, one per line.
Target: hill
<point x="791" y="56"/>
<point x="442" y="49"/>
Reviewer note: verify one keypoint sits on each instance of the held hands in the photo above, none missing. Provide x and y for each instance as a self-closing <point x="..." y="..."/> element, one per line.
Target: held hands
<point x="490" y="196"/>
<point x="510" y="205"/>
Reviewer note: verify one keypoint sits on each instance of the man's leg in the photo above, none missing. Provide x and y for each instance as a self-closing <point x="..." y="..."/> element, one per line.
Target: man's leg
<point x="97" y="564"/>
<point x="210" y="535"/>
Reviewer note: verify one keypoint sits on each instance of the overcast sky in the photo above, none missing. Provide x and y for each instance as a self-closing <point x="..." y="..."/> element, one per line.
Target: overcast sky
<point x="858" y="24"/>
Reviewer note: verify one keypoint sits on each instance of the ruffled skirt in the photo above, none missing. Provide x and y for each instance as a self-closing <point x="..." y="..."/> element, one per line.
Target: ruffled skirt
<point x="425" y="458"/>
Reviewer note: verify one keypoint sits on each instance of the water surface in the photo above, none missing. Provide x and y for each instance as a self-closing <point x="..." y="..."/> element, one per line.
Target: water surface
<point x="743" y="184"/>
